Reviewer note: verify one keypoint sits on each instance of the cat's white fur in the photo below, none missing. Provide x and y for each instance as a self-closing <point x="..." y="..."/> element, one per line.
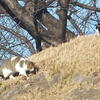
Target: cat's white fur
<point x="7" y="72"/>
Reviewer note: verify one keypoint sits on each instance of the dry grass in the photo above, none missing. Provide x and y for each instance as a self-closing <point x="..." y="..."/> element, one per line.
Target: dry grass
<point x="79" y="56"/>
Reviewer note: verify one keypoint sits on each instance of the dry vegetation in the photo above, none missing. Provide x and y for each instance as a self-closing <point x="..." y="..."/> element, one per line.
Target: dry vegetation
<point x="70" y="71"/>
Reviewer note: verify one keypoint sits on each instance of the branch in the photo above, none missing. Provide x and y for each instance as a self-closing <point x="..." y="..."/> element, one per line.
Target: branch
<point x="73" y="22"/>
<point x="21" y="37"/>
<point x="9" y="50"/>
<point x="85" y="6"/>
<point x="47" y="4"/>
<point x="2" y="10"/>
<point x="19" y="15"/>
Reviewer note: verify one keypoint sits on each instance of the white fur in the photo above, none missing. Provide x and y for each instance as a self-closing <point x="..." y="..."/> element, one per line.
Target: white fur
<point x="21" y="70"/>
<point x="6" y="72"/>
<point x="97" y="32"/>
<point x="22" y="59"/>
<point x="25" y="66"/>
<point x="11" y="77"/>
<point x="32" y="69"/>
<point x="13" y="58"/>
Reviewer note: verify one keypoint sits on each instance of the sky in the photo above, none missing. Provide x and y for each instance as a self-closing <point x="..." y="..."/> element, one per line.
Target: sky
<point x="90" y="28"/>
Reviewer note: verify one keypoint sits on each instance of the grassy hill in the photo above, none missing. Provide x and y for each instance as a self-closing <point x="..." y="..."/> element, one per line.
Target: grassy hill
<point x="70" y="71"/>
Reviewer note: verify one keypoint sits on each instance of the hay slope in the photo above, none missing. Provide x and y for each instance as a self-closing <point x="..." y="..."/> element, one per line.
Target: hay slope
<point x="69" y="69"/>
<point x="80" y="55"/>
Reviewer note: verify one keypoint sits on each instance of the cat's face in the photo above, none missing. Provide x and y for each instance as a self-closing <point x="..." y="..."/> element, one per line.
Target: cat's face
<point x="31" y="67"/>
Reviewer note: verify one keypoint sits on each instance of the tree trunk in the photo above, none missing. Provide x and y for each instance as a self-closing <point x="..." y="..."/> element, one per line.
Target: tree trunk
<point x="64" y="6"/>
<point x="56" y="29"/>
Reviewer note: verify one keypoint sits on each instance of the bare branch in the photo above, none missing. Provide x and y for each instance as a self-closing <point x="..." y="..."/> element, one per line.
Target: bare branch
<point x="2" y="10"/>
<point x="73" y="22"/>
<point x="19" y="15"/>
<point x="21" y="37"/>
<point x="9" y="50"/>
<point x="85" y="6"/>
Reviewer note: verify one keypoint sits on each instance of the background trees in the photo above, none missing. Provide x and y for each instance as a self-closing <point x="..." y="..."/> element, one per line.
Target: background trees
<point x="27" y="26"/>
